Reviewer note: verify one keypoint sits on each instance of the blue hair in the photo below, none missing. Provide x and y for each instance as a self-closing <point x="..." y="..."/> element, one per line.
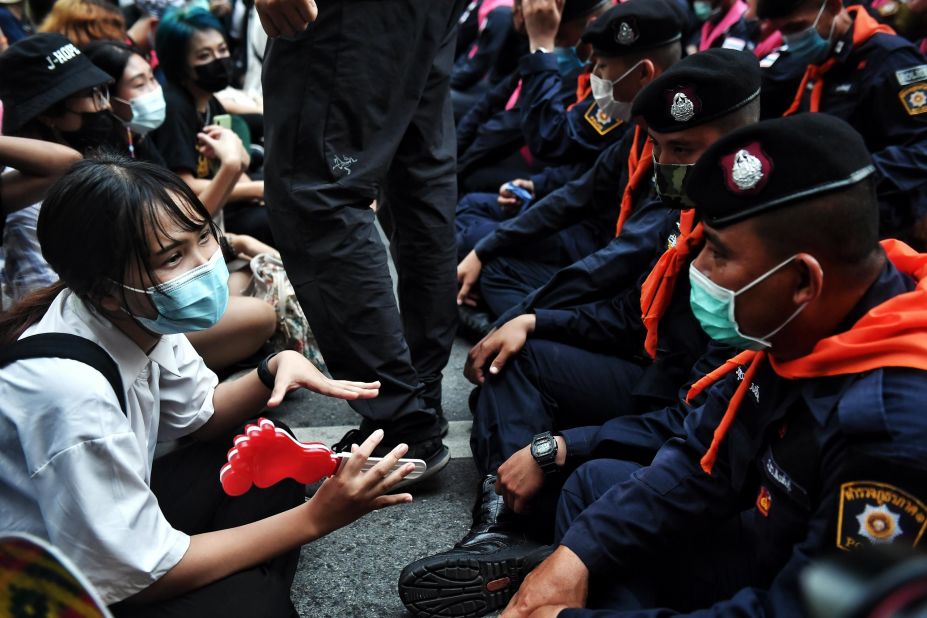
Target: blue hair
<point x="172" y="38"/>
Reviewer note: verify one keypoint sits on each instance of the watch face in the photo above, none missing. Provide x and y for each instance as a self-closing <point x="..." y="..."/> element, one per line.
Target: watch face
<point x="542" y="448"/>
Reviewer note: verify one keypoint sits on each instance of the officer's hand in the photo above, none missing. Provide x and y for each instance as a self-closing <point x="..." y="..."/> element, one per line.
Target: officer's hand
<point x="291" y="370"/>
<point x="562" y="581"/>
<point x="352" y="492"/>
<point x="468" y="271"/>
<point x="499" y="346"/>
<point x="286" y="17"/>
<point x="507" y="200"/>
<point x="542" y="20"/>
<point x="520" y="478"/>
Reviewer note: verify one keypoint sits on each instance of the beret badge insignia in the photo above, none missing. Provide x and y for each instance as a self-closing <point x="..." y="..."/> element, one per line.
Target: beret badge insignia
<point x="682" y="109"/>
<point x="626" y="34"/>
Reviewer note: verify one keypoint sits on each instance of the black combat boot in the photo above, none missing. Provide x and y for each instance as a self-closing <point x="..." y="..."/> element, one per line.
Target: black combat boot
<point x="483" y="570"/>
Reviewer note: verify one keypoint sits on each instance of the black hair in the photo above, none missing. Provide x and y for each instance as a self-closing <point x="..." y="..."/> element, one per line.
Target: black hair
<point x="841" y="229"/>
<point x="742" y="116"/>
<point x="95" y="227"/>
<point x="663" y="57"/>
<point x="110" y="56"/>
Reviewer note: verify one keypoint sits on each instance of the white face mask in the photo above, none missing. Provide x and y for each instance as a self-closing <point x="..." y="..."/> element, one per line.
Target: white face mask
<point x="603" y="92"/>
<point x="148" y="111"/>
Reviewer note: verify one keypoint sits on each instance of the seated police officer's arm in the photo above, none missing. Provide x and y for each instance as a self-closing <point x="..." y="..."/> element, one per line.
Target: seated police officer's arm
<point x="520" y="477"/>
<point x="498" y="347"/>
<point x="286" y="17"/>
<point x="561" y="581"/>
<point x="542" y="20"/>
<point x="340" y="500"/>
<point x="468" y="273"/>
<point x="241" y="399"/>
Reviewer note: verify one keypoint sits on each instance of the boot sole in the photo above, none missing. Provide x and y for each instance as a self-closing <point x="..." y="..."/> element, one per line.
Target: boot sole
<point x="464" y="586"/>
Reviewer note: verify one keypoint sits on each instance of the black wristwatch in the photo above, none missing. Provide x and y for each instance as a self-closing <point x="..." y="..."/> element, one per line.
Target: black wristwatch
<point x="544" y="451"/>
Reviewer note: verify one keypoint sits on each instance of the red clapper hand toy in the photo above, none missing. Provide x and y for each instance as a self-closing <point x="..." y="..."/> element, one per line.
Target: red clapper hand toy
<point x="265" y="455"/>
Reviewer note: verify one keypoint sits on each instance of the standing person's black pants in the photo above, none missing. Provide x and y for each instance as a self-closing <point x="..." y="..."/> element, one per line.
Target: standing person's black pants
<point x="357" y="108"/>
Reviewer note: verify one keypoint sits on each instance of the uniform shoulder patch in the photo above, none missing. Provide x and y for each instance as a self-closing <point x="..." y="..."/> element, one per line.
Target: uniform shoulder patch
<point x="908" y="76"/>
<point x="873" y="513"/>
<point x="914" y="99"/>
<point x="600" y="121"/>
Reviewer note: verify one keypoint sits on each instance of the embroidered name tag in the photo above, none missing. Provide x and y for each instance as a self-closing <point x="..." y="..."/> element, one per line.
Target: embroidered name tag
<point x="909" y="76"/>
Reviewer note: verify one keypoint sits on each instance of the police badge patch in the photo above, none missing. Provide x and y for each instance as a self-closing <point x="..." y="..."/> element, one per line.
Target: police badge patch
<point x="626" y="32"/>
<point x="914" y="99"/>
<point x="878" y="513"/>
<point x="600" y="121"/>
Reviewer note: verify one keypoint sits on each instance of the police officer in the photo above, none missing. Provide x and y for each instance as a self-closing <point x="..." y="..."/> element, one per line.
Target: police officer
<point x="811" y="440"/>
<point x="633" y="43"/>
<point x="860" y="71"/>
<point x="491" y="137"/>
<point x="357" y="108"/>
<point x="601" y="372"/>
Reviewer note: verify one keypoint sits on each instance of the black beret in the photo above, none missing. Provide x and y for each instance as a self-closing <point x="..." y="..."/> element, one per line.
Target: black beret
<point x="773" y="9"/>
<point x="774" y="163"/>
<point x="698" y="89"/>
<point x="634" y="26"/>
<point x="574" y="9"/>
<point x="39" y="71"/>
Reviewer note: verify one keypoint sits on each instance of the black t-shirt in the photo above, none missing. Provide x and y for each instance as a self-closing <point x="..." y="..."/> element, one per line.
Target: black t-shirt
<point x="176" y="138"/>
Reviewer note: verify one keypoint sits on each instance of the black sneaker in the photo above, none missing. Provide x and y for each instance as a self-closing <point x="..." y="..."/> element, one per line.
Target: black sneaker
<point x="432" y="451"/>
<point x="468" y="582"/>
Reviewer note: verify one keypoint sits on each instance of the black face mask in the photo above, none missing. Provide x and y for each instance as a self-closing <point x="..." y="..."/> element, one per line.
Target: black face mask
<point x="96" y="130"/>
<point x="214" y="76"/>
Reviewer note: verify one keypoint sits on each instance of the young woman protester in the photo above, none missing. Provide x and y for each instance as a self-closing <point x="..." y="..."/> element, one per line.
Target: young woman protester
<point x="139" y="262"/>
<point x="137" y="102"/>
<point x="196" y="62"/>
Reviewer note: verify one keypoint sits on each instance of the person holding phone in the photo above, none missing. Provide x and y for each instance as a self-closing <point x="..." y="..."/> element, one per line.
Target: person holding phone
<point x="196" y="61"/>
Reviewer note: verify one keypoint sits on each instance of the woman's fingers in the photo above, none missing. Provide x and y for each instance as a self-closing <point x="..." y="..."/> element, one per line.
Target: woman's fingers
<point x="393" y="500"/>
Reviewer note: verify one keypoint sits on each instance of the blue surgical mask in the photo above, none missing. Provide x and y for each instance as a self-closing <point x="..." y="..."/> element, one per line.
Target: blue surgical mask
<point x="148" y="111"/>
<point x="808" y="44"/>
<point x="568" y="63"/>
<point x="603" y="91"/>
<point x="193" y="301"/>
<point x="714" y="307"/>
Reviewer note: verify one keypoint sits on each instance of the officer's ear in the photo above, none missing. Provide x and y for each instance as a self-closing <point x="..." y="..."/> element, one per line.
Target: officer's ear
<point x="810" y="280"/>
<point x="646" y="71"/>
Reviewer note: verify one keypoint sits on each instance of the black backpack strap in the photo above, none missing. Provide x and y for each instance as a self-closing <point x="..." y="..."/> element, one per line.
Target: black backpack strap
<point x="73" y="347"/>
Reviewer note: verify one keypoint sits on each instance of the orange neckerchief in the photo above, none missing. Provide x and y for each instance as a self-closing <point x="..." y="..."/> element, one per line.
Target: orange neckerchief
<point x="639" y="167"/>
<point x="864" y="28"/>
<point x="893" y="334"/>
<point x="660" y="283"/>
<point x="583" y="88"/>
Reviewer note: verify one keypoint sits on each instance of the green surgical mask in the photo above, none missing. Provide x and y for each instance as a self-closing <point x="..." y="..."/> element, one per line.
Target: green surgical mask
<point x="670" y="180"/>
<point x="704" y="10"/>
<point x="713" y="306"/>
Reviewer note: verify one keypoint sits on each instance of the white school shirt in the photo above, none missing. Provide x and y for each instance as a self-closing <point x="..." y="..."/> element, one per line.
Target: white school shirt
<point x="75" y="470"/>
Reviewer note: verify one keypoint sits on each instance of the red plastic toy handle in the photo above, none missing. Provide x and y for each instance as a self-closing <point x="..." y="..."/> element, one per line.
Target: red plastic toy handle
<point x="265" y="455"/>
